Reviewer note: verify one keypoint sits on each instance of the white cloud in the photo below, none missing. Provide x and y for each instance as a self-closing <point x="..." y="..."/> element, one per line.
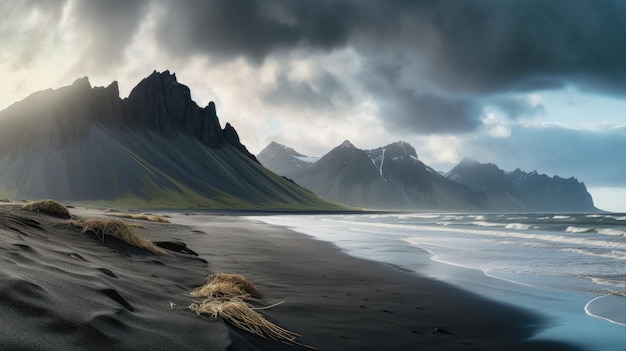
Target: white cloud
<point x="497" y="126"/>
<point x="440" y="152"/>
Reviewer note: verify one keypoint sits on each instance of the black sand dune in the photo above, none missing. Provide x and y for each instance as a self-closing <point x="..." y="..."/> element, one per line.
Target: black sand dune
<point x="61" y="289"/>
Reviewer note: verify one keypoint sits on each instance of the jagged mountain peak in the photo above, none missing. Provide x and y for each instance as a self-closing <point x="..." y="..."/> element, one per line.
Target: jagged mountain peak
<point x="163" y="77"/>
<point x="291" y="151"/>
<point x="402" y="147"/>
<point x="155" y="148"/>
<point x="466" y="161"/>
<point x="283" y="159"/>
<point x="468" y="165"/>
<point x="162" y="85"/>
<point x="393" y="177"/>
<point x="347" y="144"/>
<point x="390" y="177"/>
<point x="82" y="83"/>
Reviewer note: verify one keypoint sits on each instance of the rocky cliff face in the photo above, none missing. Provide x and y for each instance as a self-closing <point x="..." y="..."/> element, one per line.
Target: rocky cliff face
<point x="160" y="104"/>
<point x="520" y="190"/>
<point x="155" y="148"/>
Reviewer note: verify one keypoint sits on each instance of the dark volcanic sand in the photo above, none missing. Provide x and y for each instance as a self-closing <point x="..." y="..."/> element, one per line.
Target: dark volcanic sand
<point x="63" y="290"/>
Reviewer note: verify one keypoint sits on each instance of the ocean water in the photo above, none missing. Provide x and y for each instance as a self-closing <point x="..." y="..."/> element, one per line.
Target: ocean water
<point x="570" y="268"/>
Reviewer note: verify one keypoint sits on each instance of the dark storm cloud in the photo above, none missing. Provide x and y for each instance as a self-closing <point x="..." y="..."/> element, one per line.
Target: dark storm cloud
<point x="452" y="47"/>
<point x="488" y="46"/>
<point x="517" y="108"/>
<point x="555" y="150"/>
<point x="410" y="110"/>
<point x="458" y="55"/>
<point x="254" y="29"/>
<point x="111" y="25"/>
<point x="476" y="46"/>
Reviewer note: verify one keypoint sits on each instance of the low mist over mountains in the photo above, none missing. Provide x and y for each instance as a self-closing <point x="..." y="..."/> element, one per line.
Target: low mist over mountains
<point x="156" y="148"/>
<point x="393" y="177"/>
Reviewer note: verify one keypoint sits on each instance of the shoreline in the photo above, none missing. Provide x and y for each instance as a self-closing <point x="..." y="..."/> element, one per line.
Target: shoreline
<point x="63" y="290"/>
<point x="377" y="306"/>
<point x="566" y="311"/>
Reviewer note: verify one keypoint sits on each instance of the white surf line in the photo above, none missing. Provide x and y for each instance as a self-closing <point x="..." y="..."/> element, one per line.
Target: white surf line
<point x="600" y="317"/>
<point x="493" y="233"/>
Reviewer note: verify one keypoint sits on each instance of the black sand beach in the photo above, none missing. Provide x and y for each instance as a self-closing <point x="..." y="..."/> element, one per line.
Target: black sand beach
<point x="61" y="289"/>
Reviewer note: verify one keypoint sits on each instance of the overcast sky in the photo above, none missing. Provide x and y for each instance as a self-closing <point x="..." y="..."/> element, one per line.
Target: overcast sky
<point x="534" y="84"/>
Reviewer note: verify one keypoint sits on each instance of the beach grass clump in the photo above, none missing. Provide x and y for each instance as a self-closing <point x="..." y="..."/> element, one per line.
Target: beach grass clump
<point x="47" y="206"/>
<point x="120" y="230"/>
<point x="243" y="316"/>
<point x="143" y="216"/>
<point x="227" y="285"/>
<point x="226" y="295"/>
<point x="5" y="200"/>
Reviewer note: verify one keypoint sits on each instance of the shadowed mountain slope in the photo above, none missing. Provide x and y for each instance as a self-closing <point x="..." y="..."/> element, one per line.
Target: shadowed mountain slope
<point x="390" y="177"/>
<point x="393" y="177"/>
<point x="521" y="190"/>
<point x="284" y="160"/>
<point x="156" y="148"/>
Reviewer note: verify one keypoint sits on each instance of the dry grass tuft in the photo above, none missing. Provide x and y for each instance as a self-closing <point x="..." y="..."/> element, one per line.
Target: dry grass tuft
<point x="225" y="296"/>
<point x="48" y="206"/>
<point x="118" y="229"/>
<point x="244" y="316"/>
<point x="142" y="216"/>
<point x="226" y="285"/>
<point x="5" y="200"/>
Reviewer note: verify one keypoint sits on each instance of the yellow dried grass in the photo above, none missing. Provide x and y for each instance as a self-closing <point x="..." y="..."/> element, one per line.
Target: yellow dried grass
<point x="225" y="296"/>
<point x="142" y="216"/>
<point x="118" y="229"/>
<point x="227" y="285"/>
<point x="244" y="316"/>
<point x="47" y="206"/>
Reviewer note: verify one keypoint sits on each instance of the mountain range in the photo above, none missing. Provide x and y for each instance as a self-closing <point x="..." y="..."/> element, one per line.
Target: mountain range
<point x="523" y="190"/>
<point x="393" y="177"/>
<point x="156" y="148"/>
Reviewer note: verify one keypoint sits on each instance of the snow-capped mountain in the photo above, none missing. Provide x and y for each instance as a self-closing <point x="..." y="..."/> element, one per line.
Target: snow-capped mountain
<point x="390" y="177"/>
<point x="393" y="177"/>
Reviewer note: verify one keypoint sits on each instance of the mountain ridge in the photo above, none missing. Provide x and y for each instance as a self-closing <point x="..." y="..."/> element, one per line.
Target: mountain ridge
<point x="156" y="148"/>
<point x="533" y="191"/>
<point x="393" y="177"/>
